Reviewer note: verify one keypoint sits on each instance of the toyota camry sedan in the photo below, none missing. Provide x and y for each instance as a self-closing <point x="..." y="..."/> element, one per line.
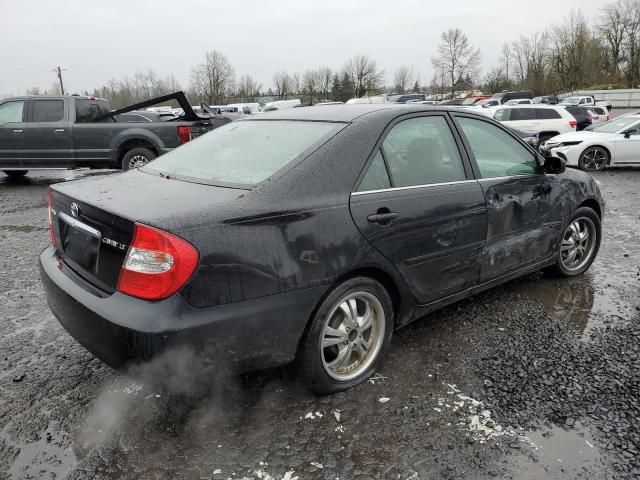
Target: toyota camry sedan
<point x="309" y="235"/>
<point x="616" y="142"/>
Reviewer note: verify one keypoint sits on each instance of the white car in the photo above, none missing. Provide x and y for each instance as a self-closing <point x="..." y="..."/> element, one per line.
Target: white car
<point x="545" y="120"/>
<point x="616" y="142"/>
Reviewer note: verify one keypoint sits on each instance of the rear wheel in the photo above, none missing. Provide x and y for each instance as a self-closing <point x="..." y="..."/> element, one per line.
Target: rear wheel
<point x="593" y="159"/>
<point x="579" y="244"/>
<point x="137" y="157"/>
<point x="15" y="173"/>
<point x="347" y="336"/>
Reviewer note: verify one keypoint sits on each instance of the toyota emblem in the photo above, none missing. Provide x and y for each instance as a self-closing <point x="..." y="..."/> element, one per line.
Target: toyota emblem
<point x="75" y="210"/>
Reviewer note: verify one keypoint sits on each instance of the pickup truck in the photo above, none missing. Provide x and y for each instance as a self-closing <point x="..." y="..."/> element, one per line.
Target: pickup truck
<point x="584" y="101"/>
<point x="42" y="132"/>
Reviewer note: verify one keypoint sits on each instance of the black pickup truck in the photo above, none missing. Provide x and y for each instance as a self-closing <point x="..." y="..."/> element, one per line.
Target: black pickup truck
<point x="42" y="132"/>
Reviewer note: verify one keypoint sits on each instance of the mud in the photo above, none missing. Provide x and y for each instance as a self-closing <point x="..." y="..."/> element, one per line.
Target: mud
<point x="534" y="379"/>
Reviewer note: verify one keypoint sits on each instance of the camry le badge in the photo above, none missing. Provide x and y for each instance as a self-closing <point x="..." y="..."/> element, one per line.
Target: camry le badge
<point x="75" y="210"/>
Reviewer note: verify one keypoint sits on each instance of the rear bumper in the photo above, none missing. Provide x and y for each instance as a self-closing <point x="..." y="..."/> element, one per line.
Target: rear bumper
<point x="119" y="329"/>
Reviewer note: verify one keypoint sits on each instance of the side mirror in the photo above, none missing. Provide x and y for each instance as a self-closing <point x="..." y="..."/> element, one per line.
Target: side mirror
<point x="628" y="133"/>
<point x="554" y="165"/>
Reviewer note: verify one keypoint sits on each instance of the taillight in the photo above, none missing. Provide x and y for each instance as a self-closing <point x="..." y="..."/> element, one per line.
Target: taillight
<point x="184" y="134"/>
<point x="51" y="232"/>
<point x="573" y="124"/>
<point x="157" y="265"/>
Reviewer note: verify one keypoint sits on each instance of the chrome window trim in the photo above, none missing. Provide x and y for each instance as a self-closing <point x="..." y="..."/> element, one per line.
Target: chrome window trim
<point x="80" y="226"/>
<point x="411" y="187"/>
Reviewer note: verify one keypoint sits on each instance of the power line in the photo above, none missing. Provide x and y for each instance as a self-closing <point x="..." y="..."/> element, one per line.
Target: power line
<point x="59" y="71"/>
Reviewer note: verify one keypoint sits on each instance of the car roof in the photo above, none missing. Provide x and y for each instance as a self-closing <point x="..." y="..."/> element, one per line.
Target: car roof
<point x="530" y="105"/>
<point x="351" y="112"/>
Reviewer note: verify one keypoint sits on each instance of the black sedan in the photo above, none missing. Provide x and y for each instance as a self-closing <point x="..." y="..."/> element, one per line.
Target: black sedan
<point x="309" y="234"/>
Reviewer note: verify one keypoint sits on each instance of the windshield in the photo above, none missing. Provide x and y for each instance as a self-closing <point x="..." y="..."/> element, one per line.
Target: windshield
<point x="571" y="100"/>
<point x="617" y="125"/>
<point x="469" y="101"/>
<point x="244" y="152"/>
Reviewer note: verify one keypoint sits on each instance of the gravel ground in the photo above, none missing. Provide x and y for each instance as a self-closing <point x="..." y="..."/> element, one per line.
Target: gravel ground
<point x="535" y="379"/>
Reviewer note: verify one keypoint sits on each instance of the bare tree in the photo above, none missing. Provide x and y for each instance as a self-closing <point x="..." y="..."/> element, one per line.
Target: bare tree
<point x="248" y="88"/>
<point x="402" y="78"/>
<point x="506" y="60"/>
<point x="363" y="72"/>
<point x="310" y="82"/>
<point x="296" y="84"/>
<point x="282" y="83"/>
<point x="456" y="57"/>
<point x="214" y="78"/>
<point x="495" y="80"/>
<point x="631" y="68"/>
<point x="325" y="82"/>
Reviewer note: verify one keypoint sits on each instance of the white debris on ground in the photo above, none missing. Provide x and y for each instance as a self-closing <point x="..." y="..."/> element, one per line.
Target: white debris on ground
<point x="477" y="419"/>
<point x="263" y="475"/>
<point x="133" y="388"/>
<point x="313" y="415"/>
<point x="376" y="377"/>
<point x="340" y="429"/>
<point x="384" y="399"/>
<point x="336" y="413"/>
<point x="317" y="465"/>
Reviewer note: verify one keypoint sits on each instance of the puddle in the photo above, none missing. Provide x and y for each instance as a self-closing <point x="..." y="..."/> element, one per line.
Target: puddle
<point x="22" y="228"/>
<point x="560" y="454"/>
<point x="43" y="459"/>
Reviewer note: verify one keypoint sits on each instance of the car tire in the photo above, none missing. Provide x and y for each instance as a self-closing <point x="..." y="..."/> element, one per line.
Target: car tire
<point x="337" y="353"/>
<point x="137" y="157"/>
<point x="594" y="159"/>
<point x="14" y="174"/>
<point x="576" y="252"/>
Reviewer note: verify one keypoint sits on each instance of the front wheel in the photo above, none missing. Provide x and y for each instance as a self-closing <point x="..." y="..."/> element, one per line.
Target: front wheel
<point x="347" y="337"/>
<point x="15" y="173"/>
<point x="579" y="244"/>
<point x="593" y="159"/>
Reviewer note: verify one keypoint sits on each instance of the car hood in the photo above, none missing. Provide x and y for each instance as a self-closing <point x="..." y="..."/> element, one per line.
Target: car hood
<point x="576" y="137"/>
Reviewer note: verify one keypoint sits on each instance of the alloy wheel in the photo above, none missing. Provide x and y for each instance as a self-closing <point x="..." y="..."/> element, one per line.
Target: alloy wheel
<point x="578" y="244"/>
<point x="594" y="159"/>
<point x="352" y="336"/>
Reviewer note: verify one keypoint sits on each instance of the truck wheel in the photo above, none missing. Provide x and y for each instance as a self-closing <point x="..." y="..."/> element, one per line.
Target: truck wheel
<point x="15" y="173"/>
<point x="137" y="157"/>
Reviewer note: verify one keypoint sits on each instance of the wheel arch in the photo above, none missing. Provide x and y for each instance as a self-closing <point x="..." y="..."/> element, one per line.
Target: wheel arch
<point x="132" y="143"/>
<point x="593" y="205"/>
<point x="599" y="145"/>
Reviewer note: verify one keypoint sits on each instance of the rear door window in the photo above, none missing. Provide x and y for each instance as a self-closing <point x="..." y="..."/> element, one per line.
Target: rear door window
<point x="422" y="151"/>
<point x="376" y="177"/>
<point x="547" y="114"/>
<point x="48" y="111"/>
<point x="497" y="153"/>
<point x="88" y="110"/>
<point x="523" y="114"/>
<point x="12" y="112"/>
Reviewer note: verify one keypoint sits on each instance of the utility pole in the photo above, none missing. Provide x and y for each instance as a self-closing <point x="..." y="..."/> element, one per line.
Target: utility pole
<point x="59" y="71"/>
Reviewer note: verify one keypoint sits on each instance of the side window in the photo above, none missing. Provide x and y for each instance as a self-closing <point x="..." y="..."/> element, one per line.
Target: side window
<point x="523" y="114"/>
<point x="88" y="110"/>
<point x="496" y="152"/>
<point x="422" y="151"/>
<point x="11" y="112"/>
<point x="48" y="110"/>
<point x="376" y="177"/>
<point x="547" y="114"/>
<point x="503" y="115"/>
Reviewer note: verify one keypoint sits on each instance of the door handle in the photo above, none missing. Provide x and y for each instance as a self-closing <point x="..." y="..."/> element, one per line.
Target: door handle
<point x="59" y="130"/>
<point x="383" y="219"/>
<point x="18" y="130"/>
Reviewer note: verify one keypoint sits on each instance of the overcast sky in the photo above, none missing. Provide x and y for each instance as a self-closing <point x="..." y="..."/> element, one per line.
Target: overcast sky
<point x="98" y="40"/>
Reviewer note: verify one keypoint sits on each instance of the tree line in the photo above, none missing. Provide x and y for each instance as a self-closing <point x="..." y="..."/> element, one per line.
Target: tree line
<point x="578" y="52"/>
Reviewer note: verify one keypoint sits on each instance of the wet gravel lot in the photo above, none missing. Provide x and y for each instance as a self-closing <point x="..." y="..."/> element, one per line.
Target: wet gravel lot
<point x="538" y="378"/>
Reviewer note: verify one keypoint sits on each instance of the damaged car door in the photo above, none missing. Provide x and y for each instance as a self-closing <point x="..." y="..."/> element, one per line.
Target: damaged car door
<point x="418" y="204"/>
<point x="523" y="209"/>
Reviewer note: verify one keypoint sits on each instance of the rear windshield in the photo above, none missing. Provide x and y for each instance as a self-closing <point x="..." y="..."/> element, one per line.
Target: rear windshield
<point x="243" y="152"/>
